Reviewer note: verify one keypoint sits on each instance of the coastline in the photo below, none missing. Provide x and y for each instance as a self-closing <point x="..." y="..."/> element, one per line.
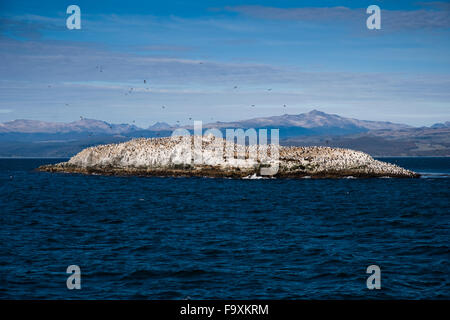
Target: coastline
<point x="210" y="172"/>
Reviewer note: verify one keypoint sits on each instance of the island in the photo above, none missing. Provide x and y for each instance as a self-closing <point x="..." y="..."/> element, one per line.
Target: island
<point x="179" y="156"/>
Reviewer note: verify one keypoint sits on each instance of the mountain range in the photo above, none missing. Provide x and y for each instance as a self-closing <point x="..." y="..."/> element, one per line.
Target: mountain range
<point x="311" y="120"/>
<point x="83" y="125"/>
<point x="32" y="138"/>
<point x="314" y="121"/>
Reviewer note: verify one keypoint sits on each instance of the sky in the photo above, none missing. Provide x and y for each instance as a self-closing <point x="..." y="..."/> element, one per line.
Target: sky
<point x="212" y="60"/>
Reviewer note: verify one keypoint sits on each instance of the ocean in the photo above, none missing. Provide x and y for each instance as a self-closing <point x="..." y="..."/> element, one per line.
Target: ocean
<point x="204" y="238"/>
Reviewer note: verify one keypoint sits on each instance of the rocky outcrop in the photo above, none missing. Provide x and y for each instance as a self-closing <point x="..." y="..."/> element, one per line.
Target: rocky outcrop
<point x="177" y="156"/>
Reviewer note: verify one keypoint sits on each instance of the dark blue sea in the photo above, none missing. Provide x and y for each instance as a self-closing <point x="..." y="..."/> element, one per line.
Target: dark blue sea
<point x="202" y="238"/>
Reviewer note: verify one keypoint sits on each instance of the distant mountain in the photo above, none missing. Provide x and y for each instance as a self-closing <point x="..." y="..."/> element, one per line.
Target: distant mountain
<point x="424" y="141"/>
<point x="83" y="125"/>
<point x="441" y="125"/>
<point x="160" y="126"/>
<point x="312" y="119"/>
<point x="312" y="123"/>
<point x="39" y="138"/>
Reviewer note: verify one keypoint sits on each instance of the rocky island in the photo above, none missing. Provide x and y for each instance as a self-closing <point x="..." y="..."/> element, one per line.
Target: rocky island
<point x="175" y="156"/>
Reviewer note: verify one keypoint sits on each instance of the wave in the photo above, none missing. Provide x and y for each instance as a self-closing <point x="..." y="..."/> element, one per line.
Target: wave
<point x="428" y="175"/>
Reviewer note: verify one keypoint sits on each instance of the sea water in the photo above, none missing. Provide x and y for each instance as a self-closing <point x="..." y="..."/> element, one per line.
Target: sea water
<point x="173" y="238"/>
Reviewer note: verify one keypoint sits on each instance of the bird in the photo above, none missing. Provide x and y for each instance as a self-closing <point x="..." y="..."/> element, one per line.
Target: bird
<point x="284" y="105"/>
<point x="163" y="107"/>
<point x="253" y="105"/>
<point x="269" y="89"/>
<point x="235" y="87"/>
<point x="145" y="81"/>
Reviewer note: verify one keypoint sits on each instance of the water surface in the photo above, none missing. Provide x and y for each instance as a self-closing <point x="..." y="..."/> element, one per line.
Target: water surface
<point x="172" y="238"/>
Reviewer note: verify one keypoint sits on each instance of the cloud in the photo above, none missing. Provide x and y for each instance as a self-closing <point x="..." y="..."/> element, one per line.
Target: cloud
<point x="56" y="61"/>
<point x="391" y="19"/>
<point x="436" y="5"/>
<point x="28" y="69"/>
<point x="76" y="63"/>
<point x="190" y="81"/>
<point x="312" y="14"/>
<point x="30" y="26"/>
<point x="166" y="48"/>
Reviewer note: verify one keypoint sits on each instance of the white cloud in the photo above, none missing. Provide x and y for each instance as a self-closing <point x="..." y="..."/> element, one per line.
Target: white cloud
<point x="391" y="19"/>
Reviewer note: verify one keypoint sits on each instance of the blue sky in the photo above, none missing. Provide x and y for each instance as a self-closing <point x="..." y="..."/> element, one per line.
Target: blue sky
<point x="303" y="54"/>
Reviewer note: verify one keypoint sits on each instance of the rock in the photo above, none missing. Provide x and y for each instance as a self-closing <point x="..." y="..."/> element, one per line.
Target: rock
<point x="174" y="157"/>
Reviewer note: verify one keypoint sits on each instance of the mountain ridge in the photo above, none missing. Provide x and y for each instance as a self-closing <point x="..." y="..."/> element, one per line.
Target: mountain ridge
<point x="34" y="138"/>
<point x="309" y="120"/>
<point x="84" y="124"/>
<point x="312" y="119"/>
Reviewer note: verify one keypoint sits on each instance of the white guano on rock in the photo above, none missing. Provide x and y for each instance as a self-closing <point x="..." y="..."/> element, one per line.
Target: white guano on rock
<point x="175" y="156"/>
